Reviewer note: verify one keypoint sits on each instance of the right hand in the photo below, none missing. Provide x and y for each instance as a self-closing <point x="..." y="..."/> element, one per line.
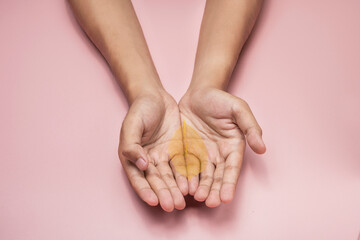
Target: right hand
<point x="143" y="150"/>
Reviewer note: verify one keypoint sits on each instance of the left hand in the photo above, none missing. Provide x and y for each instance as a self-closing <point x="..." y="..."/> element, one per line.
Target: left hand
<point x="224" y="123"/>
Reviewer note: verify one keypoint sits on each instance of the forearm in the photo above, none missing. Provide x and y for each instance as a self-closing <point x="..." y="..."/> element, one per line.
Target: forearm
<point x="225" y="27"/>
<point x="113" y="27"/>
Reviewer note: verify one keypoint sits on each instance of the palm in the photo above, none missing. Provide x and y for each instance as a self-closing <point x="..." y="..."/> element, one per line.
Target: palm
<point x="218" y="123"/>
<point x="211" y="117"/>
<point x="211" y="113"/>
<point x="148" y="129"/>
<point x="159" y="125"/>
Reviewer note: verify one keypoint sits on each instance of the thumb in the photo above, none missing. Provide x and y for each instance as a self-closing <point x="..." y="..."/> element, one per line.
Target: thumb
<point x="248" y="125"/>
<point x="136" y="154"/>
<point x="130" y="141"/>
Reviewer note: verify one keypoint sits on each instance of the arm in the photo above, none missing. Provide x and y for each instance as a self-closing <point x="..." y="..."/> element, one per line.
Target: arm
<point x="113" y="27"/>
<point x="153" y="115"/>
<point x="224" y="121"/>
<point x="225" y="27"/>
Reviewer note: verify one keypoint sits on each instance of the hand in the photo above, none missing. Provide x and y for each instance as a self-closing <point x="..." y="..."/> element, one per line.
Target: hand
<point x="224" y="122"/>
<point x="143" y="150"/>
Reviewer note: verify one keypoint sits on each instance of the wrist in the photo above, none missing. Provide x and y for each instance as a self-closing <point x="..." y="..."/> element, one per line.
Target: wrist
<point x="215" y="72"/>
<point x="137" y="88"/>
<point x="138" y="81"/>
<point x="193" y="95"/>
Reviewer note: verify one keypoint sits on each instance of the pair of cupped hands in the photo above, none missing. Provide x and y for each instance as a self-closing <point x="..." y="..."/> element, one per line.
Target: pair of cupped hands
<point x="224" y="123"/>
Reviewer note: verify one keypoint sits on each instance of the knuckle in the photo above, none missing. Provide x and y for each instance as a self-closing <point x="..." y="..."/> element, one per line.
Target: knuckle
<point x="243" y="103"/>
<point x="215" y="189"/>
<point x="207" y="178"/>
<point x="203" y="185"/>
<point x="168" y="176"/>
<point x="163" y="188"/>
<point x="153" y="175"/>
<point x="121" y="153"/>
<point x="173" y="187"/>
<point x="218" y="180"/>
<point x="133" y="179"/>
<point x="230" y="183"/>
<point x="240" y="107"/>
<point x="124" y="150"/>
<point x="232" y="168"/>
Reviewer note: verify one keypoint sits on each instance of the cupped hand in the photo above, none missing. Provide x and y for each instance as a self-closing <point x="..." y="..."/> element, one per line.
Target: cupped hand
<point x="225" y="123"/>
<point x="145" y="136"/>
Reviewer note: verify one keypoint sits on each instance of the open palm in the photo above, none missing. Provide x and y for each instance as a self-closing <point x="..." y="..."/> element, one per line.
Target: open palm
<point x="144" y="140"/>
<point x="224" y="122"/>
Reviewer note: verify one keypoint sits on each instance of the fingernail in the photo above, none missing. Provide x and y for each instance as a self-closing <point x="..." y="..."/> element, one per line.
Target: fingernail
<point x="141" y="164"/>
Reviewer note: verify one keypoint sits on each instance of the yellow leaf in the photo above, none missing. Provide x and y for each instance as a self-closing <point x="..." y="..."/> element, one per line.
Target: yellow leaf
<point x="187" y="151"/>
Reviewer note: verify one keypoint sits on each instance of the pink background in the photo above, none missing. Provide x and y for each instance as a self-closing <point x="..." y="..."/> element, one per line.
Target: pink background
<point x="61" y="111"/>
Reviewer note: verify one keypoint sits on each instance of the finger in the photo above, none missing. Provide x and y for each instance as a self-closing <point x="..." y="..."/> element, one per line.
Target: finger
<point x="168" y="177"/>
<point x="193" y="164"/>
<point x="178" y="167"/>
<point x="249" y="126"/>
<point x="130" y="141"/>
<point x="206" y="180"/>
<point x="231" y="175"/>
<point x="161" y="190"/>
<point x="136" y="154"/>
<point x="193" y="183"/>
<point x="140" y="184"/>
<point x="177" y="163"/>
<point x="213" y="199"/>
<point x="193" y="170"/>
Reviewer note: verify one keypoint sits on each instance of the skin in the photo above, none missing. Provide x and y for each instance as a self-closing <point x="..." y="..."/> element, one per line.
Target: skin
<point x="147" y="135"/>
<point x="153" y="114"/>
<point x="223" y="121"/>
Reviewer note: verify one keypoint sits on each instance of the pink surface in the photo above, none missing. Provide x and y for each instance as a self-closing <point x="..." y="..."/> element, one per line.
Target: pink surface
<point x="61" y="111"/>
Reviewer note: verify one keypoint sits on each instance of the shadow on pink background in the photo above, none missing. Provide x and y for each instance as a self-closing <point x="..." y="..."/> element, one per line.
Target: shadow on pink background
<point x="61" y="112"/>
